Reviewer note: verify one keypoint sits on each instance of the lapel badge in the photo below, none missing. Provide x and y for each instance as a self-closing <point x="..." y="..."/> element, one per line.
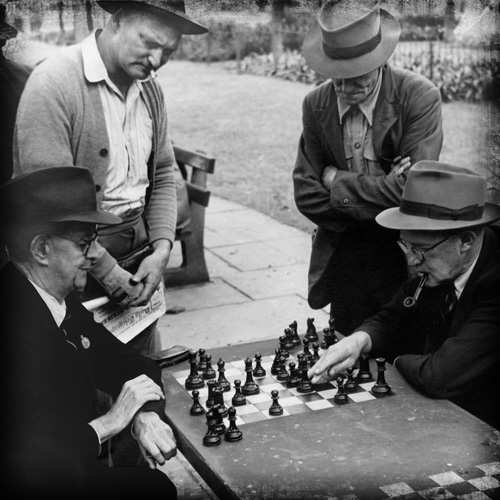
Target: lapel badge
<point x="85" y="341"/>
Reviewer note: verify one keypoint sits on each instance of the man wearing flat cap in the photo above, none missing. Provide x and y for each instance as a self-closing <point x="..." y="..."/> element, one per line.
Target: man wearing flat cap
<point x="362" y="129"/>
<point x="97" y="104"/>
<point x="442" y="328"/>
<point x="56" y="357"/>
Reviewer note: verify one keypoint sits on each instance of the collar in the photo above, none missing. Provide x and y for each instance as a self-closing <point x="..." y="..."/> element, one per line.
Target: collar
<point x="461" y="281"/>
<point x="367" y="106"/>
<point x="56" y="308"/>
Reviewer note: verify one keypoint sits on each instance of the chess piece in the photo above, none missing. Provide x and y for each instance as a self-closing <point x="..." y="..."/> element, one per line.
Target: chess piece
<point x="307" y="353"/>
<point x="250" y="388"/>
<point x="220" y="426"/>
<point x="222" y="380"/>
<point x="209" y="372"/>
<point x="288" y="343"/>
<point x="294" y="378"/>
<point x="196" y="409"/>
<point x="282" y="374"/>
<point x="311" y="333"/>
<point x="212" y="437"/>
<point x="219" y="399"/>
<point x="381" y="387"/>
<point x="295" y="333"/>
<point x="364" y="373"/>
<point x="282" y="341"/>
<point x="239" y="398"/>
<point x="258" y="371"/>
<point x="232" y="433"/>
<point x="202" y="365"/>
<point x="275" y="409"/>
<point x="274" y="366"/>
<point x="193" y="380"/>
<point x="341" y="397"/>
<point x="304" y="384"/>
<point x="350" y="384"/>
<point x="210" y="398"/>
<point x="315" y="355"/>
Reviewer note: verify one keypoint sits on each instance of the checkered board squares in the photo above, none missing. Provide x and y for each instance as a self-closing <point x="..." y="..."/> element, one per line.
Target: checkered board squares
<point x="292" y="401"/>
<point x="481" y="482"/>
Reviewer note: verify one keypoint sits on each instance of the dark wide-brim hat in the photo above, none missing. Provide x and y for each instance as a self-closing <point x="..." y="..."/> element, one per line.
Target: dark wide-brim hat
<point x="59" y="194"/>
<point x="440" y="197"/>
<point x="350" y="39"/>
<point x="175" y="10"/>
<point x="6" y="30"/>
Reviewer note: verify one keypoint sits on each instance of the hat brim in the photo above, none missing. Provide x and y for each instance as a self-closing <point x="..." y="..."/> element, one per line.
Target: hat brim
<point x="316" y="59"/>
<point x="7" y="31"/>
<point x="186" y="25"/>
<point x="393" y="218"/>
<point x="94" y="217"/>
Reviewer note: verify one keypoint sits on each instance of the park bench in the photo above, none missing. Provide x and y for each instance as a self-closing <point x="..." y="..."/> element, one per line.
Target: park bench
<point x="193" y="198"/>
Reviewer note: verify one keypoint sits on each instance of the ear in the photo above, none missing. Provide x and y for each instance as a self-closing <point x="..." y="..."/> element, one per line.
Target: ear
<point x="40" y="249"/>
<point x="467" y="239"/>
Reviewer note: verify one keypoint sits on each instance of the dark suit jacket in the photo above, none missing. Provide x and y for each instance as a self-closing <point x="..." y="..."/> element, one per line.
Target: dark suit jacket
<point x="407" y="122"/>
<point x="51" y="383"/>
<point x="461" y="359"/>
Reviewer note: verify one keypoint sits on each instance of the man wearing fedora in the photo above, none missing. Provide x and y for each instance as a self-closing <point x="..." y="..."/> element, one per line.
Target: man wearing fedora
<point x="98" y="104"/>
<point x="56" y="356"/>
<point x="362" y="129"/>
<point x="13" y="76"/>
<point x="442" y="328"/>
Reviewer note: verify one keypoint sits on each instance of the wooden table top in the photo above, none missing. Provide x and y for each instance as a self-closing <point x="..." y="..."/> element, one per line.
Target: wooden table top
<point x="346" y="451"/>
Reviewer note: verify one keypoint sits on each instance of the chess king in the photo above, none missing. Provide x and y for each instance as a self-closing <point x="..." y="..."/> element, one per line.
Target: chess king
<point x="442" y="328"/>
<point x="362" y="129"/>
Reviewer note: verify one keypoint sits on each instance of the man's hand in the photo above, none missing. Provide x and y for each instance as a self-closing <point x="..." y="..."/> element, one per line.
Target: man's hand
<point x="119" y="287"/>
<point x="151" y="271"/>
<point x="400" y="166"/>
<point x="155" y="438"/>
<point x="328" y="176"/>
<point x="339" y="357"/>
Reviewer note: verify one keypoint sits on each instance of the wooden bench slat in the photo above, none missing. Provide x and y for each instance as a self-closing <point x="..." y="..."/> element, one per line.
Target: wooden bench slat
<point x="195" y="159"/>
<point x="198" y="194"/>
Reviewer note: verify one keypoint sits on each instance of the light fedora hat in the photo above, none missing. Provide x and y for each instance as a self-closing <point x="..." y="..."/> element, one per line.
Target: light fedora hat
<point x="439" y="197"/>
<point x="175" y="10"/>
<point x="350" y="39"/>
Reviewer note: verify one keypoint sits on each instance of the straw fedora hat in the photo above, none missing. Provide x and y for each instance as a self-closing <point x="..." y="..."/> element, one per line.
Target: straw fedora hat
<point x="6" y="30"/>
<point x="440" y="197"/>
<point x="350" y="39"/>
<point x="57" y="194"/>
<point x="175" y="10"/>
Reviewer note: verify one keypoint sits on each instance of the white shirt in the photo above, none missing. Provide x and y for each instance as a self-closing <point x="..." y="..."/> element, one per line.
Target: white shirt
<point x="130" y="134"/>
<point x="461" y="281"/>
<point x="56" y="308"/>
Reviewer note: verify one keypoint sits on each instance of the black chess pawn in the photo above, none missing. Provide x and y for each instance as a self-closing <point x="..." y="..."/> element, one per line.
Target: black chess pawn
<point x="209" y="372"/>
<point x="275" y="408"/>
<point x="210" y="397"/>
<point x="311" y="333"/>
<point x="364" y="373"/>
<point x="307" y="352"/>
<point x="350" y="384"/>
<point x="193" y="380"/>
<point x="258" y="371"/>
<point x="288" y="343"/>
<point x="222" y="380"/>
<point x="219" y="399"/>
<point x="276" y="360"/>
<point x="202" y="363"/>
<point x="304" y="384"/>
<point x="196" y="409"/>
<point x="232" y="433"/>
<point x="220" y="413"/>
<point x="341" y="397"/>
<point x="239" y="398"/>
<point x="315" y="355"/>
<point x="295" y="333"/>
<point x="212" y="437"/>
<point x="250" y="388"/>
<point x="282" y="374"/>
<point x="294" y="378"/>
<point x="381" y="387"/>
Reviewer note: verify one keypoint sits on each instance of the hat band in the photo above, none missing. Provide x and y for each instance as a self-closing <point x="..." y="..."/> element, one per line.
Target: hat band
<point x="355" y="50"/>
<point x="472" y="212"/>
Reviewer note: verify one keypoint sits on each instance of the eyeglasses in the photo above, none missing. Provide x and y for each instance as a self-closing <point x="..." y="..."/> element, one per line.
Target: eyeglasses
<point x="83" y="244"/>
<point x="419" y="252"/>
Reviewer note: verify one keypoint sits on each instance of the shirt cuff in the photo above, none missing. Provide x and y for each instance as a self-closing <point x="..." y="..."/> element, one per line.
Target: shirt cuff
<point x="98" y="432"/>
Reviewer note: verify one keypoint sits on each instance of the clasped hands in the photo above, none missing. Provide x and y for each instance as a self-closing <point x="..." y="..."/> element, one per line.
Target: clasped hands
<point x="339" y="357"/>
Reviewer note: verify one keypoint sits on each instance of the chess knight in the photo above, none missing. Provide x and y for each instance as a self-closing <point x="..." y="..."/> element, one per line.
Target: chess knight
<point x="362" y="129"/>
<point x="445" y="341"/>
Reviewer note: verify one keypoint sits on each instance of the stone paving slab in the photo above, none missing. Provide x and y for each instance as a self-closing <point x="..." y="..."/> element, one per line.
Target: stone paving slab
<point x="218" y="205"/>
<point x="236" y="324"/>
<point x="214" y="293"/>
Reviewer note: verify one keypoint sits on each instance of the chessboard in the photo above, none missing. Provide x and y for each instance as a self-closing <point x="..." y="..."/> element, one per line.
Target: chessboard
<point x="293" y="402"/>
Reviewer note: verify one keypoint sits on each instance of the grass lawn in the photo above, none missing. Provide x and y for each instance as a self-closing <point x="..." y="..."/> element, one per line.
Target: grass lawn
<point x="251" y="125"/>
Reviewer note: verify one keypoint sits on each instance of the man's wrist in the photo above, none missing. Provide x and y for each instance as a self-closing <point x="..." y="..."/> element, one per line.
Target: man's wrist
<point x="363" y="341"/>
<point x="328" y="176"/>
